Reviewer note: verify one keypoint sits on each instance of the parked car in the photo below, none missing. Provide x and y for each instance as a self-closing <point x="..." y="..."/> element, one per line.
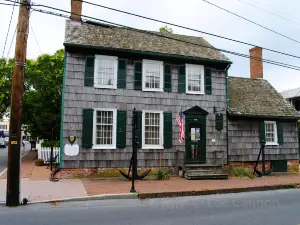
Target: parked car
<point x="6" y="141"/>
<point x="2" y="143"/>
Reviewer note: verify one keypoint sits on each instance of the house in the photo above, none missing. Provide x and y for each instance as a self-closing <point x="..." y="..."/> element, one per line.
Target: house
<point x="258" y="113"/>
<point x="110" y="71"/>
<point x="293" y="97"/>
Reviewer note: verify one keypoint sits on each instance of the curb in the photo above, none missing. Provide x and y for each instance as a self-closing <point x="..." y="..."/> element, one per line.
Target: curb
<point x="215" y="191"/>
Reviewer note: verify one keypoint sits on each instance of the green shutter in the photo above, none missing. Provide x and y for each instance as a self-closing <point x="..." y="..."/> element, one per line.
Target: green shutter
<point x="208" y="84"/>
<point x="139" y="128"/>
<point x="262" y="132"/>
<point x="181" y="79"/>
<point x="167" y="78"/>
<point x="279" y="133"/>
<point x="122" y="73"/>
<point x="87" y="128"/>
<point x="168" y="130"/>
<point x="121" y="129"/>
<point x="89" y="71"/>
<point x="137" y="75"/>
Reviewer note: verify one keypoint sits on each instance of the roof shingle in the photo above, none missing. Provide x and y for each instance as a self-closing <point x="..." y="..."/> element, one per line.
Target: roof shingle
<point x="258" y="98"/>
<point x="122" y="38"/>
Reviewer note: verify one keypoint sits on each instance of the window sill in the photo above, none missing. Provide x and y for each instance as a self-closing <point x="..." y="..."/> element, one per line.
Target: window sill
<point x="272" y="144"/>
<point x="152" y="147"/>
<point x="105" y="86"/>
<point x="195" y="93"/>
<point x="104" y="147"/>
<point x="152" y="90"/>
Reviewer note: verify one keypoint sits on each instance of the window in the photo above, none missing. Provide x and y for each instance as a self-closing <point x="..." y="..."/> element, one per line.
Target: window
<point x="271" y="133"/>
<point x="104" y="135"/>
<point x="194" y="79"/>
<point x="2" y="126"/>
<point x="152" y="129"/>
<point x="106" y="68"/>
<point x="152" y="75"/>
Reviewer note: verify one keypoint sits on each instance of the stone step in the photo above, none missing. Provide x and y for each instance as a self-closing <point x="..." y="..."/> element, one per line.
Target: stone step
<point x="203" y="166"/>
<point x="207" y="177"/>
<point x="196" y="171"/>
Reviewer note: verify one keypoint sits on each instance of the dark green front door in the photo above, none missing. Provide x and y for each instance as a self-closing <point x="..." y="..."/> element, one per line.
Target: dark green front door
<point x="195" y="141"/>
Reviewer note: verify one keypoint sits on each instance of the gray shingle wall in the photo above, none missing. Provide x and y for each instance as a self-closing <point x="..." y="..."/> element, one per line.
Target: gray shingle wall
<point x="77" y="97"/>
<point x="244" y="142"/>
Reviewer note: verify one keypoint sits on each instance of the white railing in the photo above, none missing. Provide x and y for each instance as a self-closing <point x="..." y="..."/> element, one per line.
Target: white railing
<point x="44" y="153"/>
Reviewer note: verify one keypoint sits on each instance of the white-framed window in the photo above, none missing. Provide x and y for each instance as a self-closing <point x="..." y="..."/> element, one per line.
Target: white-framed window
<point x="152" y="75"/>
<point x="271" y="133"/>
<point x="105" y="127"/>
<point x="152" y="129"/>
<point x="105" y="72"/>
<point x="194" y="79"/>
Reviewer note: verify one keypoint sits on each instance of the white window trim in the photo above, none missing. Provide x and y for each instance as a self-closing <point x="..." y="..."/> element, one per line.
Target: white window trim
<point x="114" y="86"/>
<point x="202" y="81"/>
<point x="113" y="145"/>
<point x="161" y="130"/>
<point x="161" y="80"/>
<point x="275" y="133"/>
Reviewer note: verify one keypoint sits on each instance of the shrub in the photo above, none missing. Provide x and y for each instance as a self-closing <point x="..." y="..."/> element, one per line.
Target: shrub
<point x="39" y="162"/>
<point x="162" y="174"/>
<point x="241" y="172"/>
<point x="50" y="144"/>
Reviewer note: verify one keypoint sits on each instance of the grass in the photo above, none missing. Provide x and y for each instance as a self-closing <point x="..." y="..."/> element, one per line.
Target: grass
<point x="162" y="174"/>
<point x="242" y="172"/>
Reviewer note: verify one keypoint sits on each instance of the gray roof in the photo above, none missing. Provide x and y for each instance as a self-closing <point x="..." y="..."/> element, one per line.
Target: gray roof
<point x="126" y="39"/>
<point x="257" y="98"/>
<point x="293" y="93"/>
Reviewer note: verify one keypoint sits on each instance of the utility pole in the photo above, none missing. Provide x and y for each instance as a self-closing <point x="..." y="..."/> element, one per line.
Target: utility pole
<point x="14" y="153"/>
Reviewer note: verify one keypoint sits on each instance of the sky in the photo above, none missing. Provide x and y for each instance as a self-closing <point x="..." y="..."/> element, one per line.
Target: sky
<point x="47" y="32"/>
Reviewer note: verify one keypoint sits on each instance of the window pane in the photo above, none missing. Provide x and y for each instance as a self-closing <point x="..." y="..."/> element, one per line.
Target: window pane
<point x="270" y="132"/>
<point x="105" y="71"/>
<point x="152" y="75"/>
<point x="104" y="128"/>
<point x="152" y="129"/>
<point x="194" y="78"/>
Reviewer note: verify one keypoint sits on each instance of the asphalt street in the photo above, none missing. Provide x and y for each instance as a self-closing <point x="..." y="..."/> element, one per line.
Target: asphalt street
<point x="269" y="208"/>
<point x="3" y="158"/>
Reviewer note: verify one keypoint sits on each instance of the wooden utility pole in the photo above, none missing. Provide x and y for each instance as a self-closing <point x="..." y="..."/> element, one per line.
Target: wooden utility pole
<point x="14" y="153"/>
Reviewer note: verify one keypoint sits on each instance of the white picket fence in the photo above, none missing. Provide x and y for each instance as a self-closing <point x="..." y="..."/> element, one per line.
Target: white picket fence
<point x="44" y="153"/>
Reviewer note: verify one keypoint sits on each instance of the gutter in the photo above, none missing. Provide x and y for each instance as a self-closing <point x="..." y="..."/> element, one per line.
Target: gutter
<point x="228" y="102"/>
<point x="265" y="117"/>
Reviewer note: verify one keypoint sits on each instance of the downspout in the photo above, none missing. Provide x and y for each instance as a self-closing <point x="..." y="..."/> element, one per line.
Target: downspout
<point x="228" y="102"/>
<point x="62" y="112"/>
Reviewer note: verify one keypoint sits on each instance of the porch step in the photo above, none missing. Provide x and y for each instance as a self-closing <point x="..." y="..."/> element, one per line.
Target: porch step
<point x="204" y="171"/>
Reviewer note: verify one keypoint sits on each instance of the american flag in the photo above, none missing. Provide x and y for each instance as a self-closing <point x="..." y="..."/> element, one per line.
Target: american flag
<point x="180" y="123"/>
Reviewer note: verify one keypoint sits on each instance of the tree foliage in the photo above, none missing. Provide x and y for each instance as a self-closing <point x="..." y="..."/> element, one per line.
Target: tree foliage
<point x="42" y="93"/>
<point x="166" y="29"/>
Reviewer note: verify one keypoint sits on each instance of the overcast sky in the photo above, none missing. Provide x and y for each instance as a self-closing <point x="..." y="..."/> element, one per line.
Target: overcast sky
<point x="49" y="30"/>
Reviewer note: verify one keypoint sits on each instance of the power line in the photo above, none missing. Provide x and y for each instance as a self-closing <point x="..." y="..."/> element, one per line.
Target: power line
<point x="267" y="11"/>
<point x="257" y="24"/>
<point x="12" y="13"/>
<point x="187" y="28"/>
<point x="165" y="36"/>
<point x="36" y="39"/>
<point x="11" y="42"/>
<point x="180" y="26"/>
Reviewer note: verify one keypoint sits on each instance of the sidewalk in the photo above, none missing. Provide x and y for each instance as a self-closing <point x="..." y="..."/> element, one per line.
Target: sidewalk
<point x="35" y="185"/>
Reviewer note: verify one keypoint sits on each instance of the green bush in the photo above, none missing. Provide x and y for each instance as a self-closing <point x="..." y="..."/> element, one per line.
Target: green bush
<point x="51" y="144"/>
<point x="241" y="172"/>
<point x="162" y="174"/>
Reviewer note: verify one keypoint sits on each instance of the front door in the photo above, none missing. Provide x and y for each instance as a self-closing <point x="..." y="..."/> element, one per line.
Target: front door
<point x="195" y="141"/>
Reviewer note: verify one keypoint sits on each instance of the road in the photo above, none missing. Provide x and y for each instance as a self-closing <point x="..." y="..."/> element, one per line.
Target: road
<point x="3" y="158"/>
<point x="268" y="208"/>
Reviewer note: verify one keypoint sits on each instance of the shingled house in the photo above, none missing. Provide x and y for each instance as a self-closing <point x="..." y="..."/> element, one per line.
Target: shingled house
<point x="109" y="71"/>
<point x="258" y="113"/>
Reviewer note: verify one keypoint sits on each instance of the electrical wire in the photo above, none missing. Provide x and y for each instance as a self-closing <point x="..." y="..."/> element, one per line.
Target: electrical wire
<point x="187" y="28"/>
<point x="275" y="14"/>
<point x="164" y="36"/>
<point x="11" y="43"/>
<point x="257" y="24"/>
<point x="36" y="41"/>
<point x="12" y="13"/>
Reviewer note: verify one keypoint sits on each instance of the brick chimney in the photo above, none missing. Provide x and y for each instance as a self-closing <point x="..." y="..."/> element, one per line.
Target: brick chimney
<point x="76" y="7"/>
<point x="256" y="66"/>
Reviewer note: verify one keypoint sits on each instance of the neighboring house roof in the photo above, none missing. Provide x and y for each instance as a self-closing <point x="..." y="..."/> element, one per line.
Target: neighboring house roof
<point x="256" y="98"/>
<point x="293" y="93"/>
<point x="112" y="37"/>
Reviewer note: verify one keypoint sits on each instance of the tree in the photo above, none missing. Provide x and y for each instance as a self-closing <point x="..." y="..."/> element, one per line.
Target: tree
<point x="42" y="94"/>
<point x="6" y="69"/>
<point x="166" y="29"/>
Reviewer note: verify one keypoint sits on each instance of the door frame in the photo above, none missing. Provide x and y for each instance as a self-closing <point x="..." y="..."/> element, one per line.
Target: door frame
<point x="194" y="115"/>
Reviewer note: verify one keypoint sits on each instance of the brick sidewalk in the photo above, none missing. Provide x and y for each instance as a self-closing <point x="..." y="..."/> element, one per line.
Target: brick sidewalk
<point x="177" y="184"/>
